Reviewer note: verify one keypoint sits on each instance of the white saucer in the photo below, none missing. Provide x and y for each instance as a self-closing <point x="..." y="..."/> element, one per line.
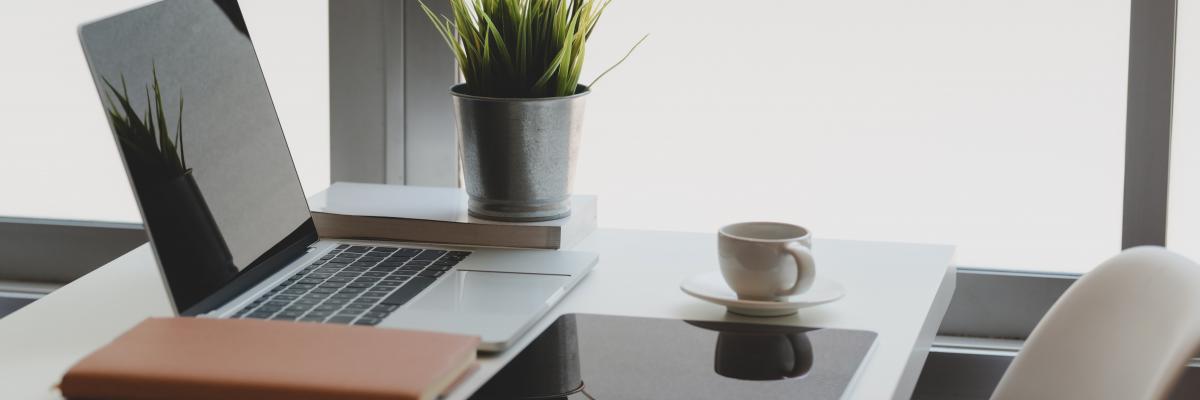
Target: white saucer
<point x="711" y="287"/>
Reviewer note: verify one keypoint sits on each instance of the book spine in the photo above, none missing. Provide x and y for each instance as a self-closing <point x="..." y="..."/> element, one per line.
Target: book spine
<point x="426" y="231"/>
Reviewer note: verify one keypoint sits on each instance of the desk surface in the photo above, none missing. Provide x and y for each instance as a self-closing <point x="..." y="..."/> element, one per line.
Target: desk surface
<point x="900" y="291"/>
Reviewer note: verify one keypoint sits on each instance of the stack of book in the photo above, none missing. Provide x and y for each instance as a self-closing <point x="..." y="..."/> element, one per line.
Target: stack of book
<point x="437" y="215"/>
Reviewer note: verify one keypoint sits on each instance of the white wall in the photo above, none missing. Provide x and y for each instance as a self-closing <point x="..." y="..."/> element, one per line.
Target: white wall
<point x="57" y="157"/>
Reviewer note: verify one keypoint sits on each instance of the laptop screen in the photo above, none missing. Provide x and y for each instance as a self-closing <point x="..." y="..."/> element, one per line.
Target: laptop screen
<point x="193" y="120"/>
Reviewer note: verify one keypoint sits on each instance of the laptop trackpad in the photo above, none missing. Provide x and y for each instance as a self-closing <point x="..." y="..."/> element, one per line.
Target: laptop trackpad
<point x="496" y="306"/>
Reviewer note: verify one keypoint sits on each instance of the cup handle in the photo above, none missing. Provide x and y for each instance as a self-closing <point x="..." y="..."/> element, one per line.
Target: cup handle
<point x="806" y="268"/>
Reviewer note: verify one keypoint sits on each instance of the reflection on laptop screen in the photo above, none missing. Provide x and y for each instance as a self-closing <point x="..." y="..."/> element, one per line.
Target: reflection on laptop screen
<point x="188" y="105"/>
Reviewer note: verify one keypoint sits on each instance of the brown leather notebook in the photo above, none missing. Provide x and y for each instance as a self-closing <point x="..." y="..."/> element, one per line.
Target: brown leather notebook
<point x="200" y="358"/>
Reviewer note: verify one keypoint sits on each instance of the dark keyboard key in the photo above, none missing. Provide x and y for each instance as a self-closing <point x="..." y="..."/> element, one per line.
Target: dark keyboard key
<point x="385" y="248"/>
<point x="448" y="263"/>
<point x="412" y="268"/>
<point x="289" y="314"/>
<point x="346" y="275"/>
<point x="358" y="306"/>
<point x="367" y="321"/>
<point x="319" y="314"/>
<point x="350" y="313"/>
<point x="374" y="295"/>
<point x="418" y="263"/>
<point x="328" y="270"/>
<point x="388" y="284"/>
<point x="389" y="264"/>
<point x="397" y="278"/>
<point x="283" y="318"/>
<point x="351" y="290"/>
<point x="294" y="291"/>
<point x="383" y="269"/>
<point x="285" y="297"/>
<point x="339" y="279"/>
<point x="335" y="302"/>
<point x="355" y="269"/>
<point x="328" y="307"/>
<point x="322" y="290"/>
<point x="385" y="308"/>
<point x="430" y="274"/>
<point x="312" y="319"/>
<point x="408" y="252"/>
<point x="318" y="275"/>
<point x="332" y="285"/>
<point x="460" y="254"/>
<point x="374" y="274"/>
<point x="359" y="249"/>
<point x="340" y="320"/>
<point x="368" y="258"/>
<point x="361" y="285"/>
<point x="345" y="296"/>
<point x="342" y="246"/>
<point x="259" y="314"/>
<point x="314" y="296"/>
<point x="375" y="314"/>
<point x="311" y="281"/>
<point x="310" y="299"/>
<point x="441" y="268"/>
<point x="408" y="291"/>
<point x="277" y="303"/>
<point x="430" y="254"/>
<point x="367" y="280"/>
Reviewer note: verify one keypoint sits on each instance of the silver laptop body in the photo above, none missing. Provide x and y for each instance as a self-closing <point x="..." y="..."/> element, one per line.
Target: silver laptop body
<point x="220" y="198"/>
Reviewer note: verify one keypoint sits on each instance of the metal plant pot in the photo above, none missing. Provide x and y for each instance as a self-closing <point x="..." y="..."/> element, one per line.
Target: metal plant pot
<point x="518" y="155"/>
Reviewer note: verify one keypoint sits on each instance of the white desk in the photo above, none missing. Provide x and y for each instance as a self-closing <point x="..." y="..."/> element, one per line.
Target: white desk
<point x="900" y="291"/>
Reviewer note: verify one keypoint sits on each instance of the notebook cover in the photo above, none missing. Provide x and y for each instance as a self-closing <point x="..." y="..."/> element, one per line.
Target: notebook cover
<point x="201" y="358"/>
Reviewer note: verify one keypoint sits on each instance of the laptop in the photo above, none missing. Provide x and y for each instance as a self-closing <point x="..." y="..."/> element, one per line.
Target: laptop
<point x="221" y="200"/>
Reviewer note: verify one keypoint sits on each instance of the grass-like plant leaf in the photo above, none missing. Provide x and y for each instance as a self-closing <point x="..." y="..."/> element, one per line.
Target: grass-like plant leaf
<point x="146" y="139"/>
<point x="521" y="48"/>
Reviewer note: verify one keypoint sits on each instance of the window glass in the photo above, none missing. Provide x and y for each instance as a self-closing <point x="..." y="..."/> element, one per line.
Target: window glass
<point x="57" y="156"/>
<point x="1183" y="211"/>
<point x="994" y="126"/>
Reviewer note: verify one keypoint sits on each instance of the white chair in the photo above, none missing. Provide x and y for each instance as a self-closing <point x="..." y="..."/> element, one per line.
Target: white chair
<point x="1124" y="331"/>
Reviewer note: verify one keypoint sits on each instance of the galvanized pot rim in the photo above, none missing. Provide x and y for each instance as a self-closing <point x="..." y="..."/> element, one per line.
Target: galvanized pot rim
<point x="459" y="91"/>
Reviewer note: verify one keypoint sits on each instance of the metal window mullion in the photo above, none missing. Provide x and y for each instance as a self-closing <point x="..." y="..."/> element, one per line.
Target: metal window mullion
<point x="1152" y="26"/>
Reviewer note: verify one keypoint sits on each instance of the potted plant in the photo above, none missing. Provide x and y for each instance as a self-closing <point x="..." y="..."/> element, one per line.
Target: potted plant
<point x="520" y="110"/>
<point x="167" y="191"/>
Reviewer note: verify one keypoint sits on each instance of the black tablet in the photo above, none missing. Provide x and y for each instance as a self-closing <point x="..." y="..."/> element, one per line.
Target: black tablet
<point x="586" y="356"/>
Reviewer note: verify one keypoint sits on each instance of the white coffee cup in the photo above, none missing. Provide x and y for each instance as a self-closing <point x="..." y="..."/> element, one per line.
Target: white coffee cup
<point x="766" y="260"/>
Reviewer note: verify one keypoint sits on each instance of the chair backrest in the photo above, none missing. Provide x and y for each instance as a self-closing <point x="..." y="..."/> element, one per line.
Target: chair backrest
<point x="1123" y="331"/>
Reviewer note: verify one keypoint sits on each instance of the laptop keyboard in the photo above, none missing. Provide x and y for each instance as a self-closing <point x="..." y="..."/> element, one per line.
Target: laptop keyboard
<point x="357" y="285"/>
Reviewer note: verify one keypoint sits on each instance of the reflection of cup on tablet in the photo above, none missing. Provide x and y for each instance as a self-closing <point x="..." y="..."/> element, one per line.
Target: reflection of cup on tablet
<point x="763" y="356"/>
<point x="766" y="260"/>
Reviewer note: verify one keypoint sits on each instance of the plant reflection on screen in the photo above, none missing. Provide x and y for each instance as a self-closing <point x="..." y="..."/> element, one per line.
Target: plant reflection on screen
<point x="147" y="138"/>
<point x="189" y="244"/>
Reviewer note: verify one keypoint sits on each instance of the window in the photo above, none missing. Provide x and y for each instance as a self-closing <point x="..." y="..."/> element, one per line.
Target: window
<point x="993" y="126"/>
<point x="57" y="157"/>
